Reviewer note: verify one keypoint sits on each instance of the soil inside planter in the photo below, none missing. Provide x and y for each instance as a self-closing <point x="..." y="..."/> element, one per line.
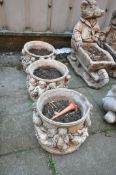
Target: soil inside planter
<point x="40" y="52"/>
<point x="57" y="106"/>
<point x="47" y="72"/>
<point x="95" y="54"/>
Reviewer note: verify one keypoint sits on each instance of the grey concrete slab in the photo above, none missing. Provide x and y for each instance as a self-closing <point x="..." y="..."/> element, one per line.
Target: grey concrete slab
<point x="98" y="124"/>
<point x="97" y="156"/>
<point x="112" y="81"/>
<point x="99" y="94"/>
<point x="16" y="128"/>
<point x="30" y="162"/>
<point x="12" y="79"/>
<point x="20" y="152"/>
<point x="76" y="81"/>
<point x="10" y="58"/>
<point x="17" y="133"/>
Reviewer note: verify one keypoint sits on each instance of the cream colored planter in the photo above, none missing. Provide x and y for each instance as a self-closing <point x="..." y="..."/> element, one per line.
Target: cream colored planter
<point x="112" y="71"/>
<point x="36" y="86"/>
<point x="92" y="72"/>
<point x="91" y="65"/>
<point x="29" y="57"/>
<point x="57" y="137"/>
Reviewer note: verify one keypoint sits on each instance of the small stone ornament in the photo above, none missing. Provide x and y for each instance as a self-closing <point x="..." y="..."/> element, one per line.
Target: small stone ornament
<point x="87" y="59"/>
<point x="109" y="105"/>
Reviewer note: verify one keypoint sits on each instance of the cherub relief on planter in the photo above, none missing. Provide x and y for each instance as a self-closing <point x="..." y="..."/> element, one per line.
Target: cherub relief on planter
<point x="86" y="34"/>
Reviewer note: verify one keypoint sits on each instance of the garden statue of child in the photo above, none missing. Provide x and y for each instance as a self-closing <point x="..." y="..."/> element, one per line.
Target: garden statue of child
<point x="87" y="29"/>
<point x="87" y="33"/>
<point x="109" y="41"/>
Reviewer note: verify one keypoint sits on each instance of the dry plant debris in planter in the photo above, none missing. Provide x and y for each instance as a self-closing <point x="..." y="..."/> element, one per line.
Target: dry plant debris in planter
<point x="64" y="111"/>
<point x="47" y="72"/>
<point x="95" y="54"/>
<point x="66" y="133"/>
<point x="40" y="52"/>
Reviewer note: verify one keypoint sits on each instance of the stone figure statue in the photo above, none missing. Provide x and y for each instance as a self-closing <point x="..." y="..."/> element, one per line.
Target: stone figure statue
<point x="87" y="29"/>
<point x="87" y="59"/>
<point x="109" y="41"/>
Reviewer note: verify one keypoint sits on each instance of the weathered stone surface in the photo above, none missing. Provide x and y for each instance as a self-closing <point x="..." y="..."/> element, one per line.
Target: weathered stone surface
<point x="16" y="128"/>
<point x="28" y="162"/>
<point x="95" y="156"/>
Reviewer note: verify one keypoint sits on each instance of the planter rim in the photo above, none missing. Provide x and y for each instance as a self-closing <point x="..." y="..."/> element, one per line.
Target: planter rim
<point x="99" y="48"/>
<point x="48" y="61"/>
<point x="110" y="48"/>
<point x="38" y="43"/>
<point x="60" y="123"/>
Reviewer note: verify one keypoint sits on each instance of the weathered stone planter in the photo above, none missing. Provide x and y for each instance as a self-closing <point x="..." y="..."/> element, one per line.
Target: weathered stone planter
<point x="36" y="86"/>
<point x="92" y="72"/>
<point x="29" y="57"/>
<point x="56" y="137"/>
<point x="92" y="65"/>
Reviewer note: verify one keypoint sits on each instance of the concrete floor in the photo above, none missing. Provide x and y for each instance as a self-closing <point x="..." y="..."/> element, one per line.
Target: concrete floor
<point x="20" y="153"/>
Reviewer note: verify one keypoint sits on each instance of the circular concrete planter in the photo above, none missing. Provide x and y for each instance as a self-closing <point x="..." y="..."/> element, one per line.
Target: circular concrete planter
<point x="36" y="86"/>
<point x="29" y="57"/>
<point x="56" y="137"/>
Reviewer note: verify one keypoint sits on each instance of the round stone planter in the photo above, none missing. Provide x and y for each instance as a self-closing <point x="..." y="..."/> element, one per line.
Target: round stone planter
<point x="56" y="137"/>
<point x="29" y="57"/>
<point x="36" y="86"/>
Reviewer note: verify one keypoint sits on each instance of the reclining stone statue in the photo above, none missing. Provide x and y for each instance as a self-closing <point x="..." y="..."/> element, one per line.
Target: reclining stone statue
<point x="87" y="58"/>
